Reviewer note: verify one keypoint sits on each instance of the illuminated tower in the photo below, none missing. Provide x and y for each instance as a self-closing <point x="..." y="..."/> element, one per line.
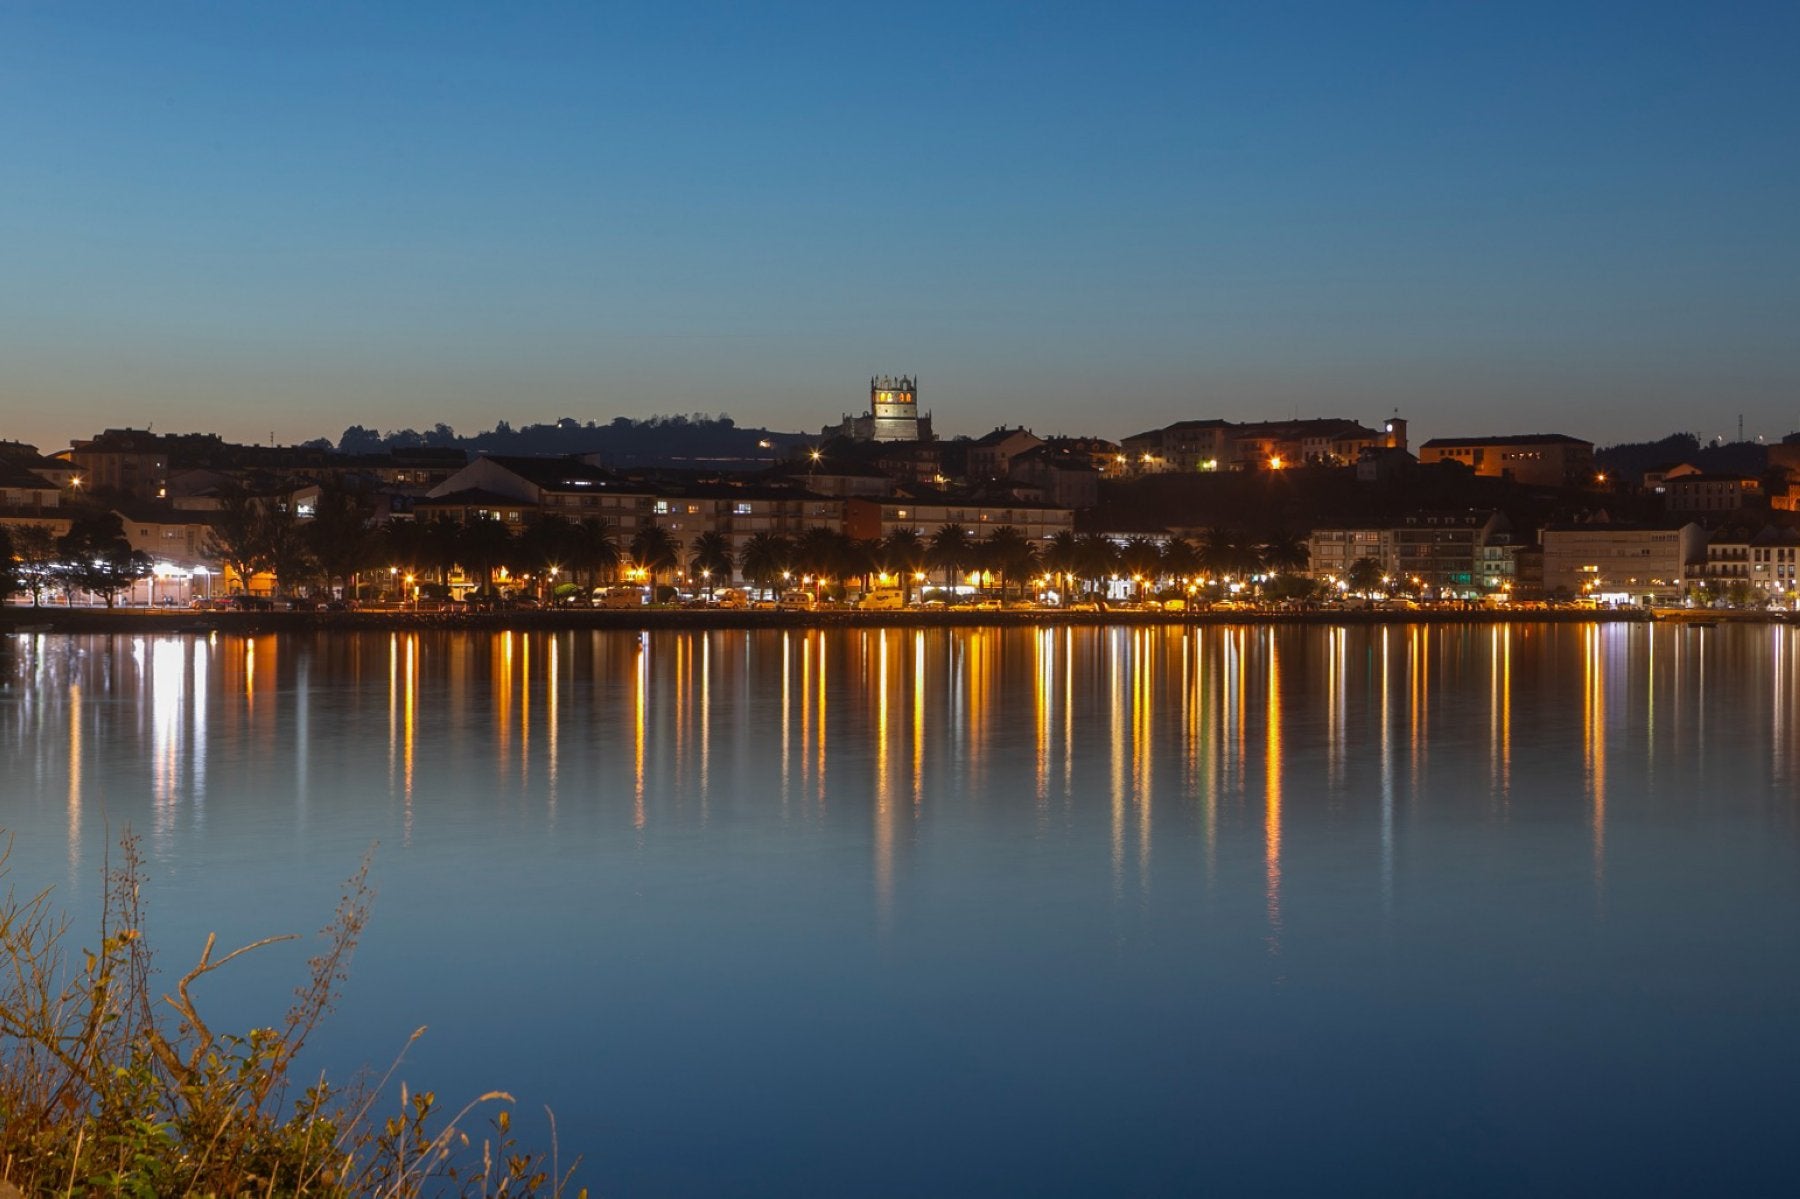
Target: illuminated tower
<point x="1395" y="432"/>
<point x="894" y="405"/>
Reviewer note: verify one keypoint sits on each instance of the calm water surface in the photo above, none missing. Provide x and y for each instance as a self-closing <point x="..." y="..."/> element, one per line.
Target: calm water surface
<point x="1414" y="910"/>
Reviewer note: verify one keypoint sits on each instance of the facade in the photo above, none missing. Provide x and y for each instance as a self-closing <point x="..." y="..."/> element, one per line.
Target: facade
<point x="27" y="498"/>
<point x="1645" y="564"/>
<point x="1067" y="480"/>
<point x="1535" y="459"/>
<point x="1749" y="563"/>
<point x="131" y="462"/>
<point x="1459" y="554"/>
<point x="1710" y="493"/>
<point x="572" y="488"/>
<point x="1208" y="445"/>
<point x="991" y="456"/>
<point x="1775" y="564"/>
<point x="168" y="535"/>
<point x="926" y="511"/>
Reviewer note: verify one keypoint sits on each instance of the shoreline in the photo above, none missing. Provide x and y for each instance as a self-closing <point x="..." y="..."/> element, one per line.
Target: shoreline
<point x="137" y="620"/>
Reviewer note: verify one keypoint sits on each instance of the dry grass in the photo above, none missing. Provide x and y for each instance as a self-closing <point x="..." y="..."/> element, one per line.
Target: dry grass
<point x="109" y="1089"/>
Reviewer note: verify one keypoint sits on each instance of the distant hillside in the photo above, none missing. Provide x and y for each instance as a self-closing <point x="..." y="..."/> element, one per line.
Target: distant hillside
<point x="623" y="442"/>
<point x="1630" y="460"/>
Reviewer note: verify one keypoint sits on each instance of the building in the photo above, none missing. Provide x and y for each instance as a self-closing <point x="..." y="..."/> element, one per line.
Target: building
<point x="1641" y="564"/>
<point x="1061" y="477"/>
<point x="27" y="498"/>
<point x="893" y="413"/>
<point x="1775" y="564"/>
<point x="926" y="510"/>
<point x="131" y="462"/>
<point x="1747" y="562"/>
<point x="1710" y="493"/>
<point x="515" y="488"/>
<point x="990" y="456"/>
<point x="1208" y="445"/>
<point x="1534" y="459"/>
<point x="1449" y="554"/>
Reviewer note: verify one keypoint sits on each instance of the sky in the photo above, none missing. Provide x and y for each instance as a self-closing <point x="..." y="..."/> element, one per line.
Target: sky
<point x="280" y="219"/>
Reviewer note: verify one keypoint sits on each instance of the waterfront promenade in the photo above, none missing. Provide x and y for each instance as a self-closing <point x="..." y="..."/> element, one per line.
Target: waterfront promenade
<point x="15" y="619"/>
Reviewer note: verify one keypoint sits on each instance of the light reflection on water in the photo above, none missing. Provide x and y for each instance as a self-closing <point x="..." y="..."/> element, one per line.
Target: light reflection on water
<point x="1105" y="881"/>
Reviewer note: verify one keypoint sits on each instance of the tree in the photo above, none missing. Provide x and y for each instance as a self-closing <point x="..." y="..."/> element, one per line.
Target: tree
<point x="547" y="547"/>
<point x="1061" y="556"/>
<point x="1285" y="552"/>
<point x="238" y="538"/>
<point x="1181" y="559"/>
<point x="763" y="558"/>
<point x="338" y="536"/>
<point x="1008" y="553"/>
<point x="710" y="558"/>
<point x="289" y="558"/>
<point x="97" y="557"/>
<point x="594" y="550"/>
<point x="1143" y="558"/>
<point x="9" y="565"/>
<point x="1228" y="553"/>
<point x="655" y="550"/>
<point x="1364" y="575"/>
<point x="823" y="552"/>
<point x="34" y="552"/>
<point x="1096" y="558"/>
<point x="949" y="551"/>
<point x="903" y="553"/>
<point x="481" y="548"/>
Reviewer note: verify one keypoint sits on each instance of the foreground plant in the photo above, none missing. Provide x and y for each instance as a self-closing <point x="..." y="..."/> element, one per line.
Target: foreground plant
<point x="107" y="1089"/>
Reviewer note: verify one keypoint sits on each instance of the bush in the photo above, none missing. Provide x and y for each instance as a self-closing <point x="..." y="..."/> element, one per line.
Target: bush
<point x="103" y="1093"/>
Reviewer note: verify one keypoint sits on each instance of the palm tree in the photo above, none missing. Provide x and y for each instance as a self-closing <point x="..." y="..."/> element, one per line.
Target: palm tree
<point x="1228" y="553"/>
<point x="548" y="544"/>
<point x="1364" y="575"/>
<point x="949" y="550"/>
<point x="819" y="552"/>
<point x="1008" y="553"/>
<point x="1284" y="552"/>
<point x="1180" y="558"/>
<point x="594" y="550"/>
<point x="481" y="547"/>
<point x="763" y="558"/>
<point x="1097" y="557"/>
<point x="1061" y="556"/>
<point x="655" y="550"/>
<point x="1144" y="559"/>
<point x="710" y="558"/>
<point x="903" y="552"/>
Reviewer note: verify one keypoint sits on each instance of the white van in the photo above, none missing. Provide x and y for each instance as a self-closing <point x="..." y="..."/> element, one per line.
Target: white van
<point x="619" y="597"/>
<point x="882" y="599"/>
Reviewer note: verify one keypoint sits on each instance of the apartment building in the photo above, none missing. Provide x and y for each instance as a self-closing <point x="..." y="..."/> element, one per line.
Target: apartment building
<point x="1634" y="563"/>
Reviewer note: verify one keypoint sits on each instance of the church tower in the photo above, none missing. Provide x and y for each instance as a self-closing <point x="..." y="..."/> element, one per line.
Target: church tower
<point x="894" y="405"/>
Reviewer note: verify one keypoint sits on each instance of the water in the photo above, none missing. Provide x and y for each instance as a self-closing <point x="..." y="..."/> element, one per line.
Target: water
<point x="1404" y="909"/>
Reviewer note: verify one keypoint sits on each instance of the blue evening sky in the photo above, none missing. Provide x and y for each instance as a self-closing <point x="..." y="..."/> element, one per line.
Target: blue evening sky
<point x="256" y="218"/>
